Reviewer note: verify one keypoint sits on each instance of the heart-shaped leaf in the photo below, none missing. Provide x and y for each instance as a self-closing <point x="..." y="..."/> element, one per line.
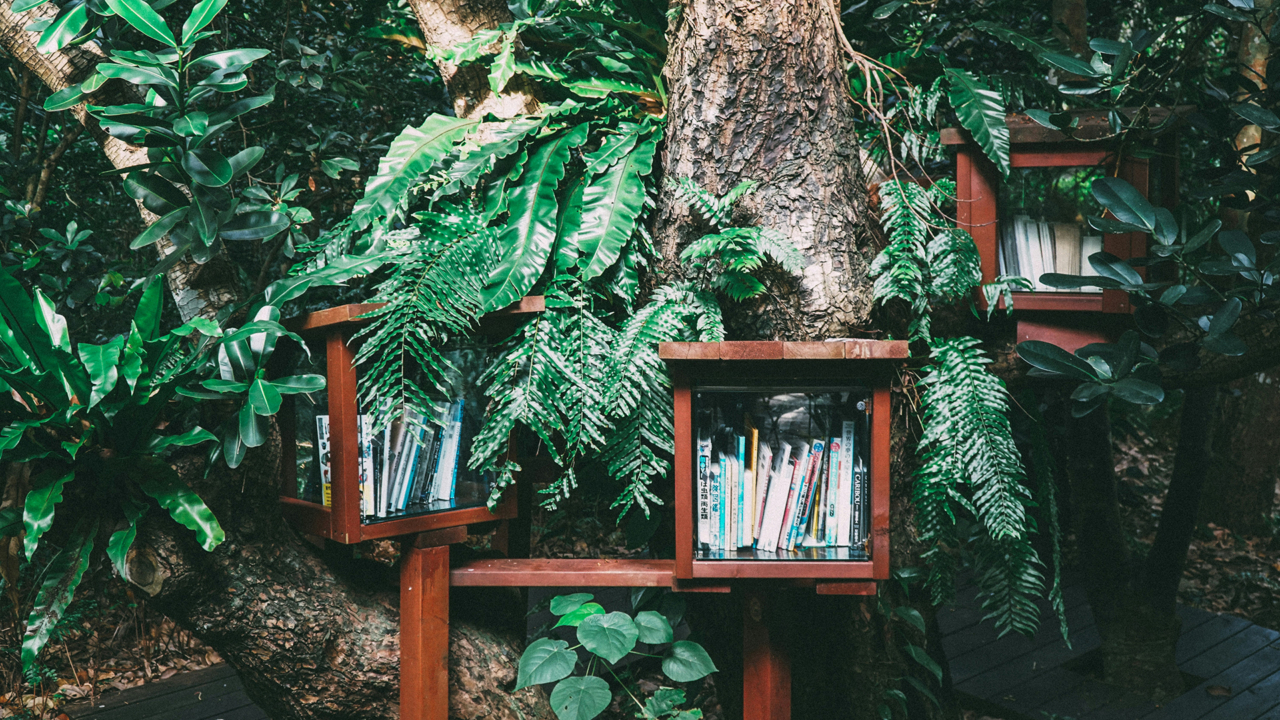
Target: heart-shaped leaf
<point x="610" y="636"/>
<point x="574" y="618"/>
<point x="545" y="660"/>
<point x="580" y="698"/>
<point x="687" y="662"/>
<point x="654" y="628"/>
<point x="565" y="604"/>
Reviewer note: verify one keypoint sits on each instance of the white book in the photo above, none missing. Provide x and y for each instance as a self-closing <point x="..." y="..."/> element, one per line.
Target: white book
<point x="793" y="495"/>
<point x="326" y="467"/>
<point x="1089" y="244"/>
<point x="1008" y="250"/>
<point x="775" y="505"/>
<point x="844" y="537"/>
<point x="365" y="440"/>
<point x="1035" y="248"/>
<point x="703" y="489"/>
<point x="446" y="470"/>
<point x="1022" y="246"/>
<point x="763" y="464"/>
<point x="716" y="499"/>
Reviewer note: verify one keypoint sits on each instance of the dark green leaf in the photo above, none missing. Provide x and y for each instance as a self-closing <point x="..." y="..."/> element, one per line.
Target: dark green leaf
<point x="1226" y="344"/>
<point x="1059" y="280"/>
<point x="530" y="233"/>
<point x="544" y="661"/>
<point x="64" y="29"/>
<point x="230" y="58"/>
<point x="1070" y="64"/>
<point x="243" y="161"/>
<point x="38" y="508"/>
<point x="611" y="203"/>
<point x="240" y="107"/>
<point x="1258" y="158"/>
<point x="1053" y="359"/>
<point x="912" y="616"/>
<point x="140" y="15"/>
<point x="1136" y="391"/>
<point x="255" y="225"/>
<point x="565" y="604"/>
<point x="157" y="194"/>
<point x="62" y="577"/>
<point x="654" y="628"/>
<point x="208" y="167"/>
<point x="580" y="698"/>
<point x="183" y="505"/>
<point x="1236" y="242"/>
<point x="1125" y="202"/>
<point x="687" y="662"/>
<point x="1226" y="12"/>
<point x="252" y="433"/>
<point x="1257" y="115"/>
<point x="412" y="153"/>
<point x="918" y="654"/>
<point x="139" y="75"/>
<point x="295" y="384"/>
<point x="1200" y="238"/>
<point x="1166" y="230"/>
<point x="1107" y="225"/>
<point x="887" y="9"/>
<point x="981" y="112"/>
<point x="203" y="14"/>
<point x="65" y="98"/>
<point x="101" y="362"/>
<point x="150" y="306"/>
<point x="1225" y="317"/>
<point x="194" y="436"/>
<point x="158" y="229"/>
<point x="264" y="398"/>
<point x="1110" y="266"/>
<point x="574" y="618"/>
<point x="121" y="540"/>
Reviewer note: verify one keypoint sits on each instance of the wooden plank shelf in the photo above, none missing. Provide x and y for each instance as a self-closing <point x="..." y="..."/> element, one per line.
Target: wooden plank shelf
<point x="555" y="572"/>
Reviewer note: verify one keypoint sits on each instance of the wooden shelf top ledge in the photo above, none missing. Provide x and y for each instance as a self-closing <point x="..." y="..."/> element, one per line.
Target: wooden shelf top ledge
<point x="784" y="350"/>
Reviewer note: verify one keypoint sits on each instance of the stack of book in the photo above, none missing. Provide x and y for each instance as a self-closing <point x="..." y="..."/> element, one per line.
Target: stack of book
<point x="810" y="495"/>
<point x="413" y="461"/>
<point x="1033" y="248"/>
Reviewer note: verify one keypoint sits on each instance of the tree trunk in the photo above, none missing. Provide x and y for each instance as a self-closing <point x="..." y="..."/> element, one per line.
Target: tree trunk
<point x="1245" y="455"/>
<point x="313" y="637"/>
<point x="70" y="66"/>
<point x="758" y="92"/>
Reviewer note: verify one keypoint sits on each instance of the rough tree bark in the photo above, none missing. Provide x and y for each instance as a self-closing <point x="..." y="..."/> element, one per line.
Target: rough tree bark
<point x="70" y="66"/>
<point x="759" y="92"/>
<point x="1245" y="460"/>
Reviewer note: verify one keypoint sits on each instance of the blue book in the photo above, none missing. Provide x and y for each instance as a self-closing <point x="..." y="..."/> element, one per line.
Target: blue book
<point x="805" y="499"/>
<point x="740" y="508"/>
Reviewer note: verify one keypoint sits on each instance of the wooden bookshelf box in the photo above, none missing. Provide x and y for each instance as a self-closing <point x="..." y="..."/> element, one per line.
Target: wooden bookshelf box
<point x="739" y="405"/>
<point x="349" y="517"/>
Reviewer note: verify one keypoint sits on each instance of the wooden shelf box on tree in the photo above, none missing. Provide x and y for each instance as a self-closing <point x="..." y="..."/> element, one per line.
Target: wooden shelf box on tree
<point x="329" y="334"/>
<point x="777" y="392"/>
<point x="1050" y="185"/>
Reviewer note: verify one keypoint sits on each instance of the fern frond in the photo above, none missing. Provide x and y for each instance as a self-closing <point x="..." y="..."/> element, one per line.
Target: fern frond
<point x="900" y="269"/>
<point x="704" y="202"/>
<point x="954" y="263"/>
<point x="781" y="250"/>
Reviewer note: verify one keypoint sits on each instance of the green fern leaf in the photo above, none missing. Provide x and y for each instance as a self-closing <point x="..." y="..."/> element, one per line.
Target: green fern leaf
<point x="981" y="112"/>
<point x="954" y="262"/>
<point x="611" y="205"/>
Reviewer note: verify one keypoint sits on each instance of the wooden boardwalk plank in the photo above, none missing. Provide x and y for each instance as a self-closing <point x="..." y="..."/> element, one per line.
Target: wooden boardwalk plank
<point x="1231" y="651"/>
<point x="1202" y="637"/>
<point x="983" y="652"/>
<point x="1197" y="702"/>
<point x="1253" y="702"/>
<point x="182" y="697"/>
<point x="1026" y="697"/>
<point x="1049" y="651"/>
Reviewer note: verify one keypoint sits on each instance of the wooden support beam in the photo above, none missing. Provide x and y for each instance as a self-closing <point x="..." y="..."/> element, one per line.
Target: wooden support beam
<point x="551" y="572"/>
<point x="766" y="666"/>
<point x="424" y="632"/>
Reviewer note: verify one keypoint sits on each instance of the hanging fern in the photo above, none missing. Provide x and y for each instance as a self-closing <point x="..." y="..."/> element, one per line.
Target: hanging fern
<point x="971" y="465"/>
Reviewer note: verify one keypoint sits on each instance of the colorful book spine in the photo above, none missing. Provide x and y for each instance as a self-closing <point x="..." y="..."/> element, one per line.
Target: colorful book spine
<point x="832" y="522"/>
<point x="717" y="498"/>
<point x="753" y="479"/>
<point x="704" y="491"/>
<point x="845" y="528"/>
<point x="793" y="495"/>
<point x="776" y="500"/>
<point x="365" y="441"/>
<point x="807" y="488"/>
<point x="322" y="453"/>
<point x="860" y="506"/>
<point x="740" y="496"/>
<point x="763" y="465"/>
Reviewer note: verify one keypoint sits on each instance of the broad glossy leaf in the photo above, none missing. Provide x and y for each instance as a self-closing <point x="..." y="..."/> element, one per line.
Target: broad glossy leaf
<point x="1107" y="225"/>
<point x="1225" y="317"/>
<point x="575" y="617"/>
<point x="1110" y="266"/>
<point x="121" y="540"/>
<point x="1236" y="242"/>
<point x="230" y="58"/>
<point x="64" y="29"/>
<point x="243" y="161"/>
<point x="240" y="107"/>
<point x="264" y="398"/>
<point x="922" y="658"/>
<point x="233" y="449"/>
<point x="62" y="577"/>
<point x="21" y="6"/>
<point x="1053" y="359"/>
<point x="412" y="153"/>
<point x="504" y="65"/>
<point x="38" y="508"/>
<point x="102" y="362"/>
<point x="295" y="384"/>
<point x="208" y="167"/>
<point x="565" y="604"/>
<point x="183" y="505"/>
<point x="286" y="289"/>
<point x="981" y="112"/>
<point x="147" y="21"/>
<point x="255" y="225"/>
<point x="687" y="662"/>
<point x="1257" y="115"/>
<point x="1166" y="231"/>
<point x="530" y="232"/>
<point x="580" y="698"/>
<point x="53" y="324"/>
<point x="1226" y="344"/>
<point x="1139" y="392"/>
<point x="611" y="204"/>
<point x="150" y="306"/>
<point x="191" y="124"/>
<point x="194" y="436"/>
<point x="1058" y="280"/>
<point x="545" y="660"/>
<point x="139" y="75"/>
<point x="1203" y="236"/>
<point x="609" y="636"/>
<point x="202" y="15"/>
<point x="158" y="229"/>
<point x="219" y="385"/>
<point x="654" y="628"/>
<point x="157" y="194"/>
<point x="252" y="433"/>
<point x="65" y="98"/>
<point x="1125" y="202"/>
<point x="1071" y="64"/>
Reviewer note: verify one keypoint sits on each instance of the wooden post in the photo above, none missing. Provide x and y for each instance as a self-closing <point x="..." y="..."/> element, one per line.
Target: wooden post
<point x="766" y="668"/>
<point x="424" y="633"/>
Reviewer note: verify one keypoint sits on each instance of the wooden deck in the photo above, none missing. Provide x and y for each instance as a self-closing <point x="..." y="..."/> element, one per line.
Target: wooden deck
<point x="1020" y="678"/>
<point x="212" y="694"/>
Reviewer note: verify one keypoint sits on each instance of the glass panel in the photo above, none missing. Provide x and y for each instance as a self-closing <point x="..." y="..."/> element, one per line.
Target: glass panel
<point x="781" y="473"/>
<point x="1043" y="215"/>
<point x="419" y="465"/>
<point x="304" y="407"/>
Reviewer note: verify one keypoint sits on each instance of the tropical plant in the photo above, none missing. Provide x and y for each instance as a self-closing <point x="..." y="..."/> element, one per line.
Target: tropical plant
<point x="607" y="638"/>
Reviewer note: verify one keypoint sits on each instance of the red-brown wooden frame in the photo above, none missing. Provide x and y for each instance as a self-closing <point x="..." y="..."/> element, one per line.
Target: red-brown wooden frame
<point x="341" y="522"/>
<point x="763" y="363"/>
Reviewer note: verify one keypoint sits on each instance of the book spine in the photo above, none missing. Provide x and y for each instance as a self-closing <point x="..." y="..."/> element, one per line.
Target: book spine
<point x="807" y="489"/>
<point x="830" y="529"/>
<point x="457" y="450"/>
<point x="858" y="509"/>
<point x="322" y="450"/>
<point x="763" y="465"/>
<point x="753" y="479"/>
<point x="704" y="491"/>
<point x="793" y="496"/>
<point x="717" y="498"/>
<point x="864" y="529"/>
<point x="740" y="496"/>
<point x="779" y="479"/>
<point x="365" y="441"/>
<point x="845" y="530"/>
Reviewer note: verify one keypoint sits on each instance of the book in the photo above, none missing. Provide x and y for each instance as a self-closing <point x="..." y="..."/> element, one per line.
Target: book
<point x="364" y="444"/>
<point x="776" y="500"/>
<point x="804" y="501"/>
<point x="322" y="460"/>
<point x="793" y="495"/>
<point x="703" y="470"/>
<point x="740" y="495"/>
<point x="864" y="500"/>
<point x="844" y="531"/>
<point x="830" y="528"/>
<point x="717" y="498"/>
<point x="1022" y="247"/>
<point x="764" y="463"/>
<point x="1089" y="244"/>
<point x="1066" y="248"/>
<point x="753" y="477"/>
<point x="859" y="511"/>
<point x="447" y="468"/>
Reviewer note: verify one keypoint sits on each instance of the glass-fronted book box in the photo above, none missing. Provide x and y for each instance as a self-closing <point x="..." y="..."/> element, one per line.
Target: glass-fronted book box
<point x="782" y="458"/>
<point x="346" y="481"/>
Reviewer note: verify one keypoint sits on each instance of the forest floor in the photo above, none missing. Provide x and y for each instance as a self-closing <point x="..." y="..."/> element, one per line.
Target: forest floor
<point x="109" y="641"/>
